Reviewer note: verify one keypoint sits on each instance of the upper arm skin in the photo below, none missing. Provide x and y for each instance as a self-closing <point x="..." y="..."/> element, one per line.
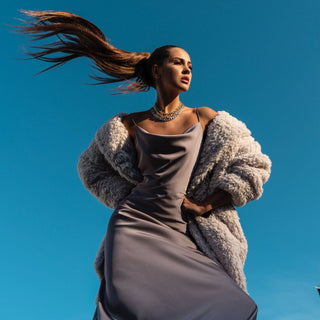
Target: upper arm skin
<point x="129" y="125"/>
<point x="206" y="115"/>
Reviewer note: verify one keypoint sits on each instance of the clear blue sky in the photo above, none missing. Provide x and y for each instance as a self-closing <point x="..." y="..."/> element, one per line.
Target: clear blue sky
<point x="258" y="60"/>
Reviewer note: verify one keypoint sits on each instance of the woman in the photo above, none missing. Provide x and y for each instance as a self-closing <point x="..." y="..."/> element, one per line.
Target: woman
<point x="174" y="248"/>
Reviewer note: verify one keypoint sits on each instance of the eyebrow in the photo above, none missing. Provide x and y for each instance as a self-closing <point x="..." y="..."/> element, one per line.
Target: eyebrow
<point x="181" y="59"/>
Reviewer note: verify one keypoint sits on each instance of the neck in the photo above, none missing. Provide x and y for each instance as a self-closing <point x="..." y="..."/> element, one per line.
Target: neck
<point x="168" y="103"/>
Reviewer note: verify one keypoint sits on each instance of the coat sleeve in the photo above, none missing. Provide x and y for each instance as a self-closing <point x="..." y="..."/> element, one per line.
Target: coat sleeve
<point x="100" y="178"/>
<point x="247" y="171"/>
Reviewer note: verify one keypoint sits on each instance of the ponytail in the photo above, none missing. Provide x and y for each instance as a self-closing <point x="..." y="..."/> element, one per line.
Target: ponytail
<point x="78" y="37"/>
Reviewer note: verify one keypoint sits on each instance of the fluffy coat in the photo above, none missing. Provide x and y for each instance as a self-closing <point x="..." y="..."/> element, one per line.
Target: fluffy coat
<point x="230" y="159"/>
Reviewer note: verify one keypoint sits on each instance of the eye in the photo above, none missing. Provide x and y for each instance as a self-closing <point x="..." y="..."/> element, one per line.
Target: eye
<point x="190" y="67"/>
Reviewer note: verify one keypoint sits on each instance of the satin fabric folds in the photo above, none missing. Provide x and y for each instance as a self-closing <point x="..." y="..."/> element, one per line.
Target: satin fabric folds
<point x="153" y="269"/>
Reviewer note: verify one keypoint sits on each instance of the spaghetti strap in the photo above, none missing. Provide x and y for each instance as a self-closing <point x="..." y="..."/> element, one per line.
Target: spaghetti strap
<point x="133" y="121"/>
<point x="197" y="114"/>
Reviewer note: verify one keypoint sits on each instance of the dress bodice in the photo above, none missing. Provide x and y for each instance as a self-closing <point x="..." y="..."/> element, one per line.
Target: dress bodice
<point x="166" y="163"/>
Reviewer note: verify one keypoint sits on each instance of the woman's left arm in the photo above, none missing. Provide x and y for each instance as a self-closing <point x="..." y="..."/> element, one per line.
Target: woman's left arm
<point x="247" y="173"/>
<point x="247" y="168"/>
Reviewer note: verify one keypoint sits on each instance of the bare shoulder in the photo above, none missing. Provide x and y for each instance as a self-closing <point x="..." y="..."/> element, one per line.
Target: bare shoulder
<point x="206" y="115"/>
<point x="136" y="116"/>
<point x="129" y="119"/>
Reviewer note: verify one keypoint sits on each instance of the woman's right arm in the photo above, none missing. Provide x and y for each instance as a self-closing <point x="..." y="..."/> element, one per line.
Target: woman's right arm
<point x="129" y="124"/>
<point x="100" y="178"/>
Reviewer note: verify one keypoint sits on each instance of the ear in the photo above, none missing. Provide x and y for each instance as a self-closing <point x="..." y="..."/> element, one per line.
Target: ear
<point x="155" y="71"/>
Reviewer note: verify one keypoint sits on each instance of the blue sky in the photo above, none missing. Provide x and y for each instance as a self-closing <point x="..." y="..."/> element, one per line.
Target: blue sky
<point x="258" y="60"/>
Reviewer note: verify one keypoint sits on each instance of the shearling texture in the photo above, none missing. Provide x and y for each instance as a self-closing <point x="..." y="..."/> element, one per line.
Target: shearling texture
<point x="230" y="159"/>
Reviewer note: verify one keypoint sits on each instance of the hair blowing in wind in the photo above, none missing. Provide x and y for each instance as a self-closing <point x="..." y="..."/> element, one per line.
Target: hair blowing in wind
<point x="78" y="37"/>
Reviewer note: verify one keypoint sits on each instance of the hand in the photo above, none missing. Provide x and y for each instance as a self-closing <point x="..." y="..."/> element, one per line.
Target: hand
<point x="216" y="200"/>
<point x="193" y="207"/>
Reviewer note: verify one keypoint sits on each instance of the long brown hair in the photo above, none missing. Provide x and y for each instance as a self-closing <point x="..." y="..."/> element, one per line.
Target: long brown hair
<point x="78" y="37"/>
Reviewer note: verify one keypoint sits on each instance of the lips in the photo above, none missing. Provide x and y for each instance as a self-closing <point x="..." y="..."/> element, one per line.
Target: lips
<point x="185" y="79"/>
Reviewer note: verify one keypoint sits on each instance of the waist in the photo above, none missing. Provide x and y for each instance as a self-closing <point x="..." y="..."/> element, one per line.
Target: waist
<point x="159" y="189"/>
<point x="160" y="207"/>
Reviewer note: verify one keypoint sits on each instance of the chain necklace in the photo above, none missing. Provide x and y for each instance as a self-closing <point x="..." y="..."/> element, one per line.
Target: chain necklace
<point x="166" y="116"/>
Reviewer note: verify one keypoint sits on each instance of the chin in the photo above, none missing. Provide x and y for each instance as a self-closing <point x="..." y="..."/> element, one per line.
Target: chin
<point x="185" y="89"/>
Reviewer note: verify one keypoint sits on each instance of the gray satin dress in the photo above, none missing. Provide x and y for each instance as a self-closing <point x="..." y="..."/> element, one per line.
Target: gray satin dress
<point x="153" y="269"/>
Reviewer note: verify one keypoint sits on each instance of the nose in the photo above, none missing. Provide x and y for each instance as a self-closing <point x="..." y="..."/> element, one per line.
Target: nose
<point x="186" y="70"/>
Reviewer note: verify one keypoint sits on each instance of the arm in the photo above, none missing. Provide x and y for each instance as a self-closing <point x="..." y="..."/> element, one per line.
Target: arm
<point x="247" y="172"/>
<point x="100" y="178"/>
<point x="234" y="160"/>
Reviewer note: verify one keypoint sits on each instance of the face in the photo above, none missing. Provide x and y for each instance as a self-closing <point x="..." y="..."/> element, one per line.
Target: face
<point x="175" y="71"/>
